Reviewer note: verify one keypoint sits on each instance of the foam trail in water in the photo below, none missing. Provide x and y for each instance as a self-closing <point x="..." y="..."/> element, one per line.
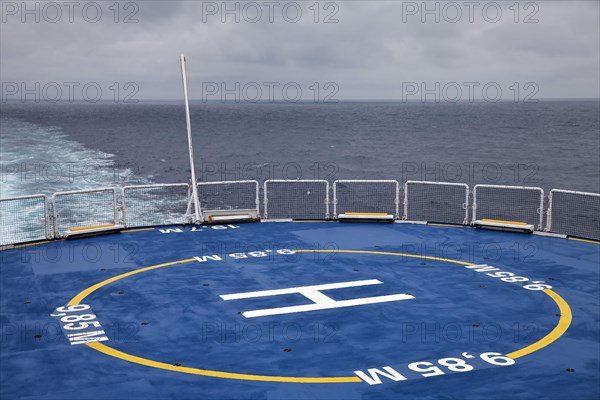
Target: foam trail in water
<point x="39" y="159"/>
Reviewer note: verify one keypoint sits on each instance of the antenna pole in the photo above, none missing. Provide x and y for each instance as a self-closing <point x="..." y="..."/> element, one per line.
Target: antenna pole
<point x="197" y="211"/>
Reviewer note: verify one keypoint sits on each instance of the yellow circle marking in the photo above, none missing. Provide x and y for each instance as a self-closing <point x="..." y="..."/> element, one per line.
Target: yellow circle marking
<point x="558" y="331"/>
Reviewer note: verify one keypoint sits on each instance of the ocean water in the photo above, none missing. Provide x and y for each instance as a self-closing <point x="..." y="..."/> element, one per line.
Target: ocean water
<point x="47" y="147"/>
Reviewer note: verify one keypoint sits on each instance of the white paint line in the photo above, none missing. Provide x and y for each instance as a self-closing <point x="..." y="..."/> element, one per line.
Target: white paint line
<point x="327" y="306"/>
<point x="277" y="292"/>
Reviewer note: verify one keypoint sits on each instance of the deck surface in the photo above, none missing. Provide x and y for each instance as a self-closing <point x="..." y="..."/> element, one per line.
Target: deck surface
<point x="172" y="336"/>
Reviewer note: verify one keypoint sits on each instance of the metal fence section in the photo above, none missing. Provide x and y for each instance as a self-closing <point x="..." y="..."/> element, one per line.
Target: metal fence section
<point x="574" y="213"/>
<point x="229" y="195"/>
<point x="152" y="205"/>
<point x="366" y="196"/>
<point x="27" y="218"/>
<point x="296" y="199"/>
<point x="82" y="208"/>
<point x="509" y="203"/>
<point x="24" y="219"/>
<point x="436" y="202"/>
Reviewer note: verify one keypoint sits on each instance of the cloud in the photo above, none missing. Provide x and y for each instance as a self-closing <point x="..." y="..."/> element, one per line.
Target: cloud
<point x="368" y="48"/>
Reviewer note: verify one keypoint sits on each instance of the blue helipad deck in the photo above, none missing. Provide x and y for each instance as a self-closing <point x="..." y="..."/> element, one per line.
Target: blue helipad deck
<point x="241" y="311"/>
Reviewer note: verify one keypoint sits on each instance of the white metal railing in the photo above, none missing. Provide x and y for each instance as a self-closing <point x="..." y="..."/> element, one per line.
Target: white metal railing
<point x="80" y="208"/>
<point x="299" y="199"/>
<point x="27" y="218"/>
<point x="229" y="195"/>
<point x="24" y="219"/>
<point x="436" y="202"/>
<point x="574" y="213"/>
<point x="512" y="203"/>
<point x="154" y="205"/>
<point x="366" y="196"/>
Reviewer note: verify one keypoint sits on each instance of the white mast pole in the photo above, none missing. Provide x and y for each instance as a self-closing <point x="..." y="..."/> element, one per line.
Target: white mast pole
<point x="198" y="213"/>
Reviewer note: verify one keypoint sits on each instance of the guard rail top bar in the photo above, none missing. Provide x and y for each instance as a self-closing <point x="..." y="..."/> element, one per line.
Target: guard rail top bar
<point x="30" y="218"/>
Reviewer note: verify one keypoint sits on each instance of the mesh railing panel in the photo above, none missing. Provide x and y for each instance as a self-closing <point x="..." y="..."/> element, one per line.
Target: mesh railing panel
<point x="436" y="202"/>
<point x="148" y="205"/>
<point x="509" y="203"/>
<point x="574" y="213"/>
<point x="366" y="196"/>
<point x="232" y="195"/>
<point x="296" y="199"/>
<point x="24" y="219"/>
<point x="78" y="209"/>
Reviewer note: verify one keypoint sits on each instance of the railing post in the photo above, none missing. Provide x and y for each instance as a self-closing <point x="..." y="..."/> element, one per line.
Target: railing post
<point x="123" y="207"/>
<point x="405" y="212"/>
<point x="327" y="200"/>
<point x="541" y="212"/>
<point x="265" y="199"/>
<point x="549" y="213"/>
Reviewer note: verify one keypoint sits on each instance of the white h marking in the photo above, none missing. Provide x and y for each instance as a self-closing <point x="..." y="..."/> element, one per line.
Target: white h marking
<point x="320" y="300"/>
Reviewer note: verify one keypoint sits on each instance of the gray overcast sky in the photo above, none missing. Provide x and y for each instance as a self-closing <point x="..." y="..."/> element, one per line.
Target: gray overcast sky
<point x="368" y="49"/>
